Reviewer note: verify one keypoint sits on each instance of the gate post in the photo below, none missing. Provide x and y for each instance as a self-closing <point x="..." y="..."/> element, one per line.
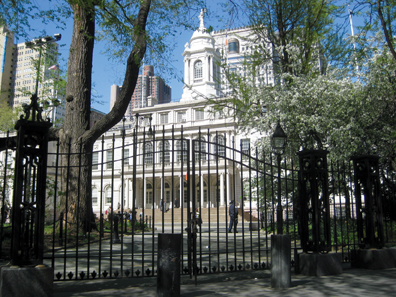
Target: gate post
<point x="314" y="214"/>
<point x="168" y="276"/>
<point x="369" y="215"/>
<point x="370" y="227"/>
<point x="314" y="201"/>
<point x="28" y="209"/>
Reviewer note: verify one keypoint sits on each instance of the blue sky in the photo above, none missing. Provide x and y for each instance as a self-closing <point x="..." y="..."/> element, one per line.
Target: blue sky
<point x="107" y="72"/>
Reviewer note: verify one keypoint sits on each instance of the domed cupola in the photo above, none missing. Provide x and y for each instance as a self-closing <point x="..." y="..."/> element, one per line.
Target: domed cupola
<point x="201" y="70"/>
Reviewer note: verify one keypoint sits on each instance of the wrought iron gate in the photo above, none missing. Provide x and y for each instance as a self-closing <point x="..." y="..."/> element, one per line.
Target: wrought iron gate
<point x="167" y="182"/>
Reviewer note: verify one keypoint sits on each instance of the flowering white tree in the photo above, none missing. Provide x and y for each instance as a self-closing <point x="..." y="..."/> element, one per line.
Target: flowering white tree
<point x="350" y="115"/>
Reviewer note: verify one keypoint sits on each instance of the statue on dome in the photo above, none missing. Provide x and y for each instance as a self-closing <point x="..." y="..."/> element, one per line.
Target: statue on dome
<point x="201" y="19"/>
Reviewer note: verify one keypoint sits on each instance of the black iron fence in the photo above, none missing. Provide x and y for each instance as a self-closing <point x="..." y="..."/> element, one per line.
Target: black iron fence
<point x="172" y="182"/>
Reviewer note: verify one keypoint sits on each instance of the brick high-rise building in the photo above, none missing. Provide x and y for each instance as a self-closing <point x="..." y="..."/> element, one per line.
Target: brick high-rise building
<point x="150" y="90"/>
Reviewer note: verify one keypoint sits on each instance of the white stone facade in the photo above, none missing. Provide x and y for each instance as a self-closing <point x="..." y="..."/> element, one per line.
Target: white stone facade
<point x="164" y="176"/>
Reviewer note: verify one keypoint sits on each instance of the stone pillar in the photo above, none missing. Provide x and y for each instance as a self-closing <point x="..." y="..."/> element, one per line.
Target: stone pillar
<point x="186" y="71"/>
<point x="127" y="205"/>
<point x="144" y="194"/>
<point x="202" y="190"/>
<point x="221" y="186"/>
<point x="228" y="198"/>
<point x="168" y="276"/>
<point x="281" y="261"/>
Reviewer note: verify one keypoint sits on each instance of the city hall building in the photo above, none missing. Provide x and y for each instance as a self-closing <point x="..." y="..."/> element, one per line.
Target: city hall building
<point x="149" y="157"/>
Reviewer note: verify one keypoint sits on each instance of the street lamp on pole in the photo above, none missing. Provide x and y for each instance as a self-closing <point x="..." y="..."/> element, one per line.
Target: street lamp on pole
<point x="278" y="146"/>
<point x="38" y="43"/>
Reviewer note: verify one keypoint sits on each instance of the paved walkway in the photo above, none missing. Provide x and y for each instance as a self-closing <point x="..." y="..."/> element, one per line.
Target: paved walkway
<point x="352" y="282"/>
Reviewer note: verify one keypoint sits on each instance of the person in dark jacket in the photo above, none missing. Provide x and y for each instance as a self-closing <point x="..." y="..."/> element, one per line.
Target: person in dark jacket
<point x="233" y="212"/>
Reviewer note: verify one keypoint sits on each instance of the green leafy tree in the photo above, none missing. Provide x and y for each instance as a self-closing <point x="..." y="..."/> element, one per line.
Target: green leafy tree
<point x="8" y="117"/>
<point x="131" y="27"/>
<point x="378" y="16"/>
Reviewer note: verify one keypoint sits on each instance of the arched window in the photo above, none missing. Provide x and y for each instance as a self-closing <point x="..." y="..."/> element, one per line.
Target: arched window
<point x="164" y="154"/>
<point x="181" y="151"/>
<point x="200" y="149"/>
<point x="148" y="153"/>
<point x="198" y="69"/>
<point x="219" y="147"/>
<point x="233" y="46"/>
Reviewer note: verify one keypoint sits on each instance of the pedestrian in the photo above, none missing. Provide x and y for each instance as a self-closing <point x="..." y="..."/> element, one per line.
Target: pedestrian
<point x="233" y="212"/>
<point x="108" y="218"/>
<point x="162" y="204"/>
<point x="198" y="217"/>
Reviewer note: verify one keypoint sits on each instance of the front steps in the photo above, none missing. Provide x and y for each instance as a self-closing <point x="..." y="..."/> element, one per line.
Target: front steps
<point x="180" y="214"/>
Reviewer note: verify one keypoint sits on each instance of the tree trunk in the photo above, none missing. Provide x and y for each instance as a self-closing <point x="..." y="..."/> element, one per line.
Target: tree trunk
<point x="77" y="154"/>
<point x="76" y="136"/>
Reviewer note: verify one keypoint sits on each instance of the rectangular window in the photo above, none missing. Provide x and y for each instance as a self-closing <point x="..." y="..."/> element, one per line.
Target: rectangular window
<point x="95" y="161"/>
<point x="109" y="159"/>
<point x="245" y="146"/>
<point x="164" y="118"/>
<point x="181" y="117"/>
<point x="126" y="157"/>
<point x="199" y="115"/>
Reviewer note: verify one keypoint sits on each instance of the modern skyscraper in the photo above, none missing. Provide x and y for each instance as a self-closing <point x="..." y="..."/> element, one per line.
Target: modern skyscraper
<point x="19" y="73"/>
<point x="25" y="72"/>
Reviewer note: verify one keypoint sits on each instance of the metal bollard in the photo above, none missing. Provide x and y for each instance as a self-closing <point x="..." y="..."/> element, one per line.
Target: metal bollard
<point x="116" y="238"/>
<point x="168" y="276"/>
<point x="281" y="261"/>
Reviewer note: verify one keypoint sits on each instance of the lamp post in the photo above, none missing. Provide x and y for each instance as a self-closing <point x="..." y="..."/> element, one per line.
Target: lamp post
<point x="39" y="43"/>
<point x="278" y="146"/>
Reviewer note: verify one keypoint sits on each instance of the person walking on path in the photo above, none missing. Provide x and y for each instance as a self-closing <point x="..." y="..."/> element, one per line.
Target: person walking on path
<point x="233" y="212"/>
